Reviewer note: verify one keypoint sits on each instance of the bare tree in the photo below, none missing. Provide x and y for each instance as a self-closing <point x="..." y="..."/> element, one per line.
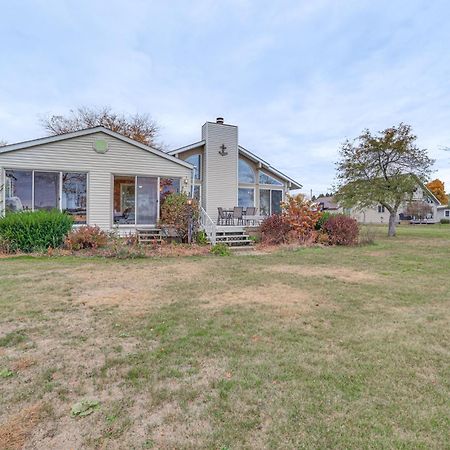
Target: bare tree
<point x="139" y="127"/>
<point x="3" y="143"/>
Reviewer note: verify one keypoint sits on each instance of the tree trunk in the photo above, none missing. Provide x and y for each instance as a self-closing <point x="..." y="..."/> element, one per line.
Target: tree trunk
<point x="392" y="223"/>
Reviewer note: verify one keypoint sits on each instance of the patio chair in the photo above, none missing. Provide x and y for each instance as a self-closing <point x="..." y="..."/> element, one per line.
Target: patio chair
<point x="250" y="211"/>
<point x="238" y="213"/>
<point x="221" y="217"/>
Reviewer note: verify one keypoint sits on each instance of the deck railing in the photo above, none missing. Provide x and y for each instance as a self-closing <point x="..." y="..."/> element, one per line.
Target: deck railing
<point x="208" y="226"/>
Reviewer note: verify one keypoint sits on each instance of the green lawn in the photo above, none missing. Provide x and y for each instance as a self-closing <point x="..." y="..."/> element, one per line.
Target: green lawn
<point x="313" y="348"/>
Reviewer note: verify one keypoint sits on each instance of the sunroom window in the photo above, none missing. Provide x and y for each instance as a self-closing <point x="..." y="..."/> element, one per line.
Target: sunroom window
<point x="74" y="195"/>
<point x="28" y="190"/>
<point x="18" y="190"/>
<point x="46" y="190"/>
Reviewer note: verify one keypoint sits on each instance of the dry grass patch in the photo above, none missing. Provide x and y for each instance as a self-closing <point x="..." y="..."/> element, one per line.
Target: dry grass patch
<point x="280" y="297"/>
<point x="17" y="429"/>
<point x="339" y="273"/>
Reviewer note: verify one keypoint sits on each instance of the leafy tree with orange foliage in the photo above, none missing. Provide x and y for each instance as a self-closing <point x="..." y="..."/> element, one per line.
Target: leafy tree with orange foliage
<point x="438" y="189"/>
<point x="302" y="216"/>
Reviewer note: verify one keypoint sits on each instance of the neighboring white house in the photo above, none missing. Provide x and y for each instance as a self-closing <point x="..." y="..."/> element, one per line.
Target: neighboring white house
<point x="228" y="175"/>
<point x="98" y="176"/>
<point x="103" y="178"/>
<point x="378" y="214"/>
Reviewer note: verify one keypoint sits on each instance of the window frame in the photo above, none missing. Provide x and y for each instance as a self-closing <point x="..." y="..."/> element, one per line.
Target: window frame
<point x="255" y="178"/>
<point x="277" y="182"/>
<point x="249" y="188"/>
<point x="264" y="188"/>
<point x="60" y="181"/>
<point x="158" y="200"/>
<point x="446" y="212"/>
<point x="200" y="166"/>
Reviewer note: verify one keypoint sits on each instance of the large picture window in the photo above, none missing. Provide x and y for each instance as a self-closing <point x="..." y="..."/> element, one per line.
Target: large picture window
<point x="18" y="190"/>
<point x="31" y="190"/>
<point x="135" y="200"/>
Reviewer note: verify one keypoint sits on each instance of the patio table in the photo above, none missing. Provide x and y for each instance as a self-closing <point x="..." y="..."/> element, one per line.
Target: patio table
<point x="253" y="219"/>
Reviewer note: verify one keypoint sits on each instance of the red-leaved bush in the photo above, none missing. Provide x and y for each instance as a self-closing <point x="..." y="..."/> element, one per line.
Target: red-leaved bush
<point x="86" y="237"/>
<point x="275" y="230"/>
<point x="341" y="230"/>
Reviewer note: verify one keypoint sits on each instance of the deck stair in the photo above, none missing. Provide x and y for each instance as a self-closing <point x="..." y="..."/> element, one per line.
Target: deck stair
<point x="236" y="237"/>
<point x="149" y="235"/>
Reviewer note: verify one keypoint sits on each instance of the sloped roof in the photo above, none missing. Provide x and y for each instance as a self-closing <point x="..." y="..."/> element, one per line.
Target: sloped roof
<point x="85" y="132"/>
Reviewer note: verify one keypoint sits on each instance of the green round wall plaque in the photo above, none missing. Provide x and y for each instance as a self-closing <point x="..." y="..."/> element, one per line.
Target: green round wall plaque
<point x="100" y="146"/>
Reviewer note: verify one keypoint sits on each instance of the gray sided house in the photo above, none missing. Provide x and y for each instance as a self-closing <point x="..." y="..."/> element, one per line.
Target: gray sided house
<point x="103" y="178"/>
<point x="96" y="175"/>
<point x="227" y="174"/>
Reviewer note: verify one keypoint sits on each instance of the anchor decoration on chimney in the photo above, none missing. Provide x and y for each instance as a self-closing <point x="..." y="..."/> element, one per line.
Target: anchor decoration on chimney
<point x="223" y="151"/>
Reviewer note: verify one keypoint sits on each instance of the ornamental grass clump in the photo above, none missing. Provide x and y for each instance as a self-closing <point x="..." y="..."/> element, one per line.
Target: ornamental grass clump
<point x="35" y="231"/>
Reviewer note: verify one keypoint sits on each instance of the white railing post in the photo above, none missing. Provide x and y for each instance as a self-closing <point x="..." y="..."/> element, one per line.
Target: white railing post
<point x="208" y="226"/>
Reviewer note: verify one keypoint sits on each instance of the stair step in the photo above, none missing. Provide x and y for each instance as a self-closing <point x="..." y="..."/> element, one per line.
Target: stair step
<point x="238" y="241"/>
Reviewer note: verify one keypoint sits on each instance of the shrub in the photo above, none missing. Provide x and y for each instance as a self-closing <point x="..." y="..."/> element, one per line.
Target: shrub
<point x="275" y="229"/>
<point x="35" y="231"/>
<point x="342" y="230"/>
<point x="324" y="216"/>
<point x="445" y="221"/>
<point x="86" y="237"/>
<point x="302" y="215"/>
<point x="176" y="212"/>
<point x="220" y="249"/>
<point x="201" y="238"/>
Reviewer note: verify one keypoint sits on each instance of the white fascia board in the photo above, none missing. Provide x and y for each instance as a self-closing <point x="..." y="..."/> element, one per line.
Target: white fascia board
<point x="187" y="148"/>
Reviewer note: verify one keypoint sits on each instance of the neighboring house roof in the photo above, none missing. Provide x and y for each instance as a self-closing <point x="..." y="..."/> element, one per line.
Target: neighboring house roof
<point x="85" y="132"/>
<point x="430" y="193"/>
<point x="328" y="202"/>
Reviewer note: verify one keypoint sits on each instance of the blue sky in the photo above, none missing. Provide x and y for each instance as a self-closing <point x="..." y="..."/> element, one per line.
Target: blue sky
<point x="298" y="77"/>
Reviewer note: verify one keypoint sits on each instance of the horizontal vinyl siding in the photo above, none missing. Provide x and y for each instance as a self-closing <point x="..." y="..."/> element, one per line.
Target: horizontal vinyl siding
<point x="77" y="155"/>
<point x="221" y="171"/>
